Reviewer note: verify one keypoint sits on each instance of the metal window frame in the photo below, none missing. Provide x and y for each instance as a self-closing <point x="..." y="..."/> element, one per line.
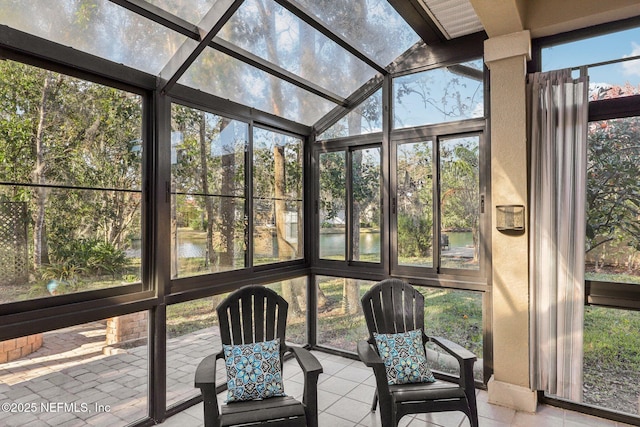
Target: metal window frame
<point x="74" y="309"/>
<point x="206" y="37"/>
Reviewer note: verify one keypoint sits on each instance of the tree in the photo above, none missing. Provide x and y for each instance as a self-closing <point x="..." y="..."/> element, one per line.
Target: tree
<point x="613" y="193"/>
<point x="459" y="169"/>
<point x="63" y="137"/>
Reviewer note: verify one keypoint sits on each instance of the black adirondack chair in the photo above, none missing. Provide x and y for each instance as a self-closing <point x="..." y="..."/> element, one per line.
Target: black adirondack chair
<point x="249" y="315"/>
<point x="393" y="306"/>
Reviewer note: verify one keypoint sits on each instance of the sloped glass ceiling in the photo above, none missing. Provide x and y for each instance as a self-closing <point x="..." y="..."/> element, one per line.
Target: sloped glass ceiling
<point x="373" y="26"/>
<point x="190" y="10"/>
<point x="217" y="73"/>
<point x="98" y="27"/>
<point x="363" y="119"/>
<point x="269" y="31"/>
<point x="282" y="35"/>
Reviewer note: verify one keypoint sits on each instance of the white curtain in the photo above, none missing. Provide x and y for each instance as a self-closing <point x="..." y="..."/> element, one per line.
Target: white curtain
<point x="558" y="119"/>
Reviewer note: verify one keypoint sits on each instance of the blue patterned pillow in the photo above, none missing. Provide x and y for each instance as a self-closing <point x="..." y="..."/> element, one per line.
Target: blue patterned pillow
<point x="253" y="371"/>
<point x="404" y="358"/>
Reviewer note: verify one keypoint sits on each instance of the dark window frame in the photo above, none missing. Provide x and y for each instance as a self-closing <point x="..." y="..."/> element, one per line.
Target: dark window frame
<point x="435" y="133"/>
<point x="348" y="145"/>
<point x="48" y="313"/>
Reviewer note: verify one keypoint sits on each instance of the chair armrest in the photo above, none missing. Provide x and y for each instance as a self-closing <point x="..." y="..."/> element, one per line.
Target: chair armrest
<point x="465" y="359"/>
<point x="457" y="351"/>
<point x="369" y="356"/>
<point x="206" y="372"/>
<point x="307" y="361"/>
<point x="205" y="380"/>
<point x="311" y="369"/>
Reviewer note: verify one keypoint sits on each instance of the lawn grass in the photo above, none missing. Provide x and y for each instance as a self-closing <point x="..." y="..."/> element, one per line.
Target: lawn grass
<point x="612" y="358"/>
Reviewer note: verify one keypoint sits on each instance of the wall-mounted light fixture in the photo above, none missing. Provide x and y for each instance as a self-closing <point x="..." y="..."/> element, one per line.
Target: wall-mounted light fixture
<point x="510" y="218"/>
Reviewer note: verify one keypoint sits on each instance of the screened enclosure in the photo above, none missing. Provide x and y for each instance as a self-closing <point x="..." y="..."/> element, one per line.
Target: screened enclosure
<point x="157" y="154"/>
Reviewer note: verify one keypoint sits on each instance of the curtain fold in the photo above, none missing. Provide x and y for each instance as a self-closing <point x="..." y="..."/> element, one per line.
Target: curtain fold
<point x="557" y="123"/>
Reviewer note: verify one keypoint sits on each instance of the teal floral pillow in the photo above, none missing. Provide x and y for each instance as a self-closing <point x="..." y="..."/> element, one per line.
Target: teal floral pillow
<point x="253" y="371"/>
<point x="404" y="358"/>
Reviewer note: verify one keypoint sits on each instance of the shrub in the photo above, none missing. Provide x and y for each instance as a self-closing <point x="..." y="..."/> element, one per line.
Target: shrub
<point x="91" y="256"/>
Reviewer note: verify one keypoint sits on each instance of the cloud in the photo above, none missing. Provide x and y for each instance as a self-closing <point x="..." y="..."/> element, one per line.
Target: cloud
<point x="632" y="68"/>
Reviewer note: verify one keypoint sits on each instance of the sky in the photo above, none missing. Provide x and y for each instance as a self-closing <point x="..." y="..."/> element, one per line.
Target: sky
<point x="598" y="49"/>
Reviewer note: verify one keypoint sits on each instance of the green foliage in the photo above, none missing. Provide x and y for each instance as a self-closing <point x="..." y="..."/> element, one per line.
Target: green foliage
<point x="613" y="193"/>
<point x="90" y="138"/>
<point x="87" y="255"/>
<point x="414" y="234"/>
<point x="332" y="185"/>
<point x="198" y="224"/>
<point x="62" y="271"/>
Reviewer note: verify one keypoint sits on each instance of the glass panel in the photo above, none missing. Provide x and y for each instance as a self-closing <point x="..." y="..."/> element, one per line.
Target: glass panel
<point x="341" y="322"/>
<point x="614" y="80"/>
<point x="192" y="334"/>
<point x="189" y="10"/>
<point x="592" y="50"/>
<point x="99" y="27"/>
<point x="332" y="170"/>
<point x="75" y="254"/>
<point x="90" y="374"/>
<point x="415" y="204"/>
<point x="441" y="95"/>
<point x="365" y="118"/>
<point x="226" y="77"/>
<point x="277" y="197"/>
<point x="373" y="26"/>
<point x="208" y="204"/>
<point x="457" y="316"/>
<point x="294" y="291"/>
<point x="269" y="31"/>
<point x="87" y="235"/>
<point x="459" y="202"/>
<point x="89" y="136"/>
<point x="613" y="197"/>
<point x="611" y="359"/>
<point x="367" y="209"/>
<point x="606" y="81"/>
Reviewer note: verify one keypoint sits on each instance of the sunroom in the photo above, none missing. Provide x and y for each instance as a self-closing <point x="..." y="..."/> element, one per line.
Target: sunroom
<point x="156" y="155"/>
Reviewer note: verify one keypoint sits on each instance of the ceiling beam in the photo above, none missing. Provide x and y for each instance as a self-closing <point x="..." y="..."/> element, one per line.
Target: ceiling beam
<point x="198" y="99"/>
<point x="186" y="54"/>
<point x="20" y="46"/>
<point x="414" y="14"/>
<point x="159" y="15"/>
<point x="279" y="72"/>
<point x="355" y="99"/>
<point x="423" y="57"/>
<point x="302" y="13"/>
<point x="500" y="17"/>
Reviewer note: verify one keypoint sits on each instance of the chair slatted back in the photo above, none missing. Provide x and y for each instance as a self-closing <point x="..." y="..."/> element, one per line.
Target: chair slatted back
<point x="253" y="314"/>
<point x="393" y="306"/>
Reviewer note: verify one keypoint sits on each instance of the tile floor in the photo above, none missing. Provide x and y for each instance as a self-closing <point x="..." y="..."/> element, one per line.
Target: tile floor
<point x="345" y="392"/>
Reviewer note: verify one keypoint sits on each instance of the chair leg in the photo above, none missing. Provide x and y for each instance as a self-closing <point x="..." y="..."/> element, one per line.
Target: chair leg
<point x="374" y="405"/>
<point x="473" y="409"/>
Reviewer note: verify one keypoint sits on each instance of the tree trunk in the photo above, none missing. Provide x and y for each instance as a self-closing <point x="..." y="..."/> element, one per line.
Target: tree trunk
<point x="204" y="178"/>
<point x="351" y="288"/>
<point x="227" y="204"/>
<point x="351" y="296"/>
<point x="285" y="249"/>
<point x="39" y="178"/>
